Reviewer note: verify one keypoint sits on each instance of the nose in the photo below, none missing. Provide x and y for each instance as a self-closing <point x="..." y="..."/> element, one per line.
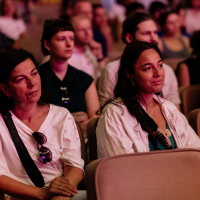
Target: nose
<point x="156" y="72"/>
<point x="30" y="82"/>
<point x="154" y="38"/>
<point x="68" y="43"/>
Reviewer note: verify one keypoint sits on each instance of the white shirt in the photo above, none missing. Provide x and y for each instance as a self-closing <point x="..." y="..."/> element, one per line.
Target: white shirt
<point x="12" y="28"/>
<point x="108" y="80"/>
<point x="192" y="21"/>
<point x="85" y="61"/>
<point x="119" y="133"/>
<point x="62" y="139"/>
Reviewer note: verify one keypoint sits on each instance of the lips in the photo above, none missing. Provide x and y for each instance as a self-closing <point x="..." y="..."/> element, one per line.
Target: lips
<point x="32" y="93"/>
<point x="158" y="82"/>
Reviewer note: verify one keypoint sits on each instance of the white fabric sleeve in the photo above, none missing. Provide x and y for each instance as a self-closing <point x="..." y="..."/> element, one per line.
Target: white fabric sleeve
<point x="3" y="164"/>
<point x="71" y="153"/>
<point x="106" y="85"/>
<point x="112" y="136"/>
<point x="171" y="91"/>
<point x="187" y="135"/>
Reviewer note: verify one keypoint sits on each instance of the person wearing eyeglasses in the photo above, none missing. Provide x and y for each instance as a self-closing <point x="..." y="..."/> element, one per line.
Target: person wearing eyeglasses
<point x="47" y="131"/>
<point x="69" y="87"/>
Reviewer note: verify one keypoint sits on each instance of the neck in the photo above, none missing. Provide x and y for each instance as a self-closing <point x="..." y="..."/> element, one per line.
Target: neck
<point x="148" y="99"/>
<point x="80" y="48"/>
<point x="59" y="67"/>
<point x="25" y="112"/>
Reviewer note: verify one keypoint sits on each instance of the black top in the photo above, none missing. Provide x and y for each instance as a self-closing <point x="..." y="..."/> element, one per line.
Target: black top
<point x="194" y="70"/>
<point x="98" y="36"/>
<point x="76" y="81"/>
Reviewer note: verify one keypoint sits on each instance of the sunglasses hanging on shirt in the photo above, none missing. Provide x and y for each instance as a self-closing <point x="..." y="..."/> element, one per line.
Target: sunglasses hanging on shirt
<point x="65" y="96"/>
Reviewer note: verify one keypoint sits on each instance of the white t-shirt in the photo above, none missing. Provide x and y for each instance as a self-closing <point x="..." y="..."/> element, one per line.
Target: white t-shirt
<point x="85" y="61"/>
<point x="108" y="80"/>
<point x="12" y="28"/>
<point x="62" y="139"/>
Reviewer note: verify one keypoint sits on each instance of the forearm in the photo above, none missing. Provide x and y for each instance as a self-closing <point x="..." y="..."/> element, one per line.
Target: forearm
<point x="20" y="190"/>
<point x="73" y="174"/>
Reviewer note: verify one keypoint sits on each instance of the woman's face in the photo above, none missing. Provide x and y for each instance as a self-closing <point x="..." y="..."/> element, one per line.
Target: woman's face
<point x="24" y="83"/>
<point x="149" y="73"/>
<point x="9" y="8"/>
<point x="172" y="24"/>
<point x="61" y="45"/>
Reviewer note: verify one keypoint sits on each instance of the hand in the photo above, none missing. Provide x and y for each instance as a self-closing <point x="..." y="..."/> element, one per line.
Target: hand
<point x="80" y="116"/>
<point x="66" y="188"/>
<point x="96" y="49"/>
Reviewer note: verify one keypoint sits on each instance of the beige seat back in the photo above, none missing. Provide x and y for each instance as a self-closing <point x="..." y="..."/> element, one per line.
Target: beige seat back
<point x="83" y="150"/>
<point x="190" y="97"/>
<point x="92" y="141"/>
<point x="167" y="174"/>
<point x="194" y="120"/>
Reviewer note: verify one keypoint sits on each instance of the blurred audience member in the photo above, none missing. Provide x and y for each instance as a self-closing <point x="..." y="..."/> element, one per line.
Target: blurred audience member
<point x="147" y="3"/>
<point x="173" y="43"/>
<point x="87" y="52"/>
<point x="188" y="72"/>
<point x="192" y="16"/>
<point x="137" y="27"/>
<point x="11" y="26"/>
<point x="84" y="7"/>
<point x="100" y="22"/>
<point x="134" y="7"/>
<point x="66" y="9"/>
<point x="68" y="87"/>
<point x="155" y="10"/>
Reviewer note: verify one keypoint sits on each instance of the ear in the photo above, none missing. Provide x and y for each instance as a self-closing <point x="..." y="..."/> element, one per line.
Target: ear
<point x="4" y="90"/>
<point x="46" y="45"/>
<point x="129" y="75"/>
<point x="129" y="38"/>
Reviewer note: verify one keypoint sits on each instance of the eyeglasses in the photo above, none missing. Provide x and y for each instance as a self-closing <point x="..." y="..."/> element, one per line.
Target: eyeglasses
<point x="45" y="153"/>
<point x="65" y="97"/>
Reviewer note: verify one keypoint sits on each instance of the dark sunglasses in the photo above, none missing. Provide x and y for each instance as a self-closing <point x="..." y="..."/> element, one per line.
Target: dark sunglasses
<point x="65" y="96"/>
<point x="45" y="153"/>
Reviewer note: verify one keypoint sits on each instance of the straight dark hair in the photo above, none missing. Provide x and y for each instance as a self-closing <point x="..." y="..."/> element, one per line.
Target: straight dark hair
<point x="9" y="60"/>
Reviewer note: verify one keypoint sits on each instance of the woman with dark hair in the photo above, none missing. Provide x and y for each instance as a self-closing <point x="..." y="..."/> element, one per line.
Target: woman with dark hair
<point x="174" y="44"/>
<point x="37" y="123"/>
<point x="188" y="71"/>
<point x="69" y="87"/>
<point x="11" y="26"/>
<point x="137" y="119"/>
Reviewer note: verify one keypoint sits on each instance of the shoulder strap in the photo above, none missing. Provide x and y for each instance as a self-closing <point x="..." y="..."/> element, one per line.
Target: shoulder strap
<point x="28" y="163"/>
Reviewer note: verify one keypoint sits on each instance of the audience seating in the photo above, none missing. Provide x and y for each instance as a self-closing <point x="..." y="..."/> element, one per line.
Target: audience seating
<point x="194" y="120"/>
<point x="92" y="141"/>
<point x="167" y="174"/>
<point x="83" y="150"/>
<point x="190" y="97"/>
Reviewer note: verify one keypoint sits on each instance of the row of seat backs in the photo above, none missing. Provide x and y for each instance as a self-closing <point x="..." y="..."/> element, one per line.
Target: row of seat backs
<point x="167" y="174"/>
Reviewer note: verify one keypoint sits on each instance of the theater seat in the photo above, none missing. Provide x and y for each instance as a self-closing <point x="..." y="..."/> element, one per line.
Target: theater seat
<point x="190" y="97"/>
<point x="157" y="175"/>
<point x="194" y="120"/>
<point x="92" y="140"/>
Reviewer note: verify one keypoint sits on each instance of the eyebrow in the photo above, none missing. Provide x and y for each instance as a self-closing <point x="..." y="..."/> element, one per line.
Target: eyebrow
<point x="23" y="75"/>
<point x="150" y="63"/>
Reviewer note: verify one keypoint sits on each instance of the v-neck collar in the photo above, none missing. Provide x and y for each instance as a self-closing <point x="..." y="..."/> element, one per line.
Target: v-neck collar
<point x="26" y="128"/>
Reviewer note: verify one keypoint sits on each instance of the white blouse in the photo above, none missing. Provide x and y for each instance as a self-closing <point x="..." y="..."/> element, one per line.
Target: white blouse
<point x="62" y="139"/>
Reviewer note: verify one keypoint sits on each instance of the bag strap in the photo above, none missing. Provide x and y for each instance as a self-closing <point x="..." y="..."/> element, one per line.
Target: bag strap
<point x="28" y="163"/>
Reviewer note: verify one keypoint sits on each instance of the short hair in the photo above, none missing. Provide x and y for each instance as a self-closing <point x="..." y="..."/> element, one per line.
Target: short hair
<point x="51" y="27"/>
<point x="9" y="60"/>
<point x="74" y="2"/>
<point x="195" y="43"/>
<point x="132" y="7"/>
<point x="164" y="15"/>
<point x="97" y="5"/>
<point x="155" y="6"/>
<point x="131" y="22"/>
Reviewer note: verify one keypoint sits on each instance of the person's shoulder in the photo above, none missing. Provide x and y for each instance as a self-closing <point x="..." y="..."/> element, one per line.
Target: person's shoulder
<point x="112" y="67"/>
<point x="167" y="68"/>
<point x="78" y="73"/>
<point x="43" y="67"/>
<point x="59" y="110"/>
